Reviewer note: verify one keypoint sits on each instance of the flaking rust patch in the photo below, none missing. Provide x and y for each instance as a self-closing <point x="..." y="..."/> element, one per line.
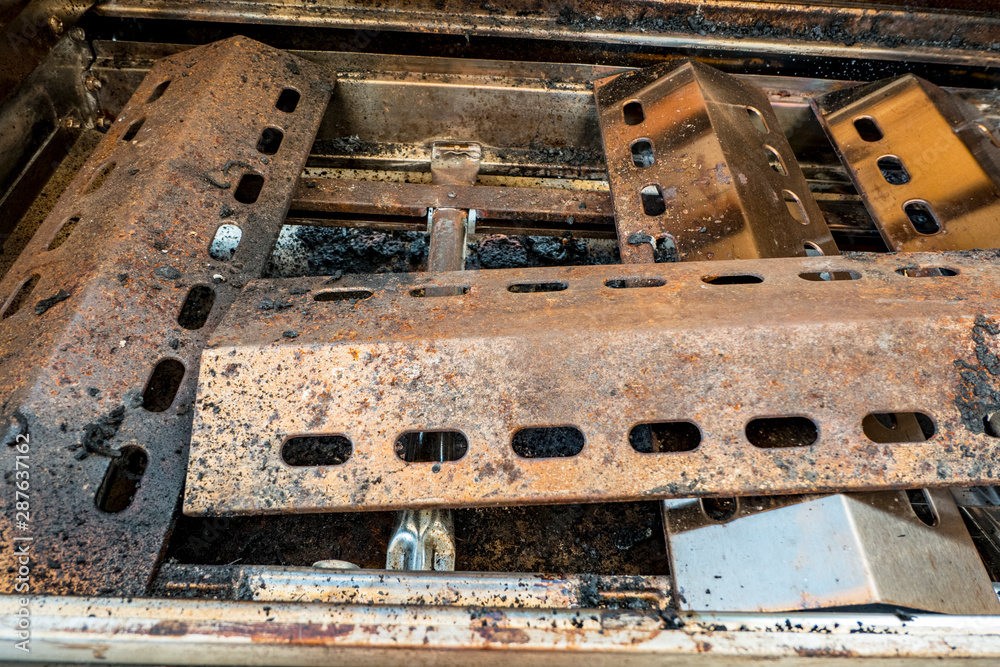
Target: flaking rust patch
<point x="978" y="394"/>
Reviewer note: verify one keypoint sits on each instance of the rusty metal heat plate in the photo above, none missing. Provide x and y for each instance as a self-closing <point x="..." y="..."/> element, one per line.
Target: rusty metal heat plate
<point x="104" y="315"/>
<point x="926" y="163"/>
<point x="756" y="377"/>
<point x="698" y="156"/>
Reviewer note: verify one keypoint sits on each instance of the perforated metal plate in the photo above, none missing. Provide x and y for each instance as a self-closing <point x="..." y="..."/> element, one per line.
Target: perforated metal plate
<point x="100" y="350"/>
<point x="926" y="163"/>
<point x="366" y="359"/>
<point x="698" y="156"/>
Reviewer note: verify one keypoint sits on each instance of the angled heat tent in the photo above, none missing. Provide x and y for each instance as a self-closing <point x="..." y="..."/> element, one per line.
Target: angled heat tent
<point x="696" y="158"/>
<point x="378" y="356"/>
<point x="925" y="162"/>
<point x="106" y="311"/>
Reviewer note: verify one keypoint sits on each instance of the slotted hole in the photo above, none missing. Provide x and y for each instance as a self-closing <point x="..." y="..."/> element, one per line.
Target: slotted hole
<point x="739" y="279"/>
<point x="439" y="290"/>
<point x="652" y="200"/>
<point x="886" y="420"/>
<point x="64" y="232"/>
<point x="270" y="141"/>
<point x="431" y="446"/>
<point x="819" y="276"/>
<point x="922" y="217"/>
<point x="781" y="432"/>
<point x="757" y="120"/>
<point x="642" y="153"/>
<point x="990" y="134"/>
<point x="795" y="207"/>
<point x="660" y="437"/>
<point x="524" y="288"/>
<point x="121" y="480"/>
<point x="629" y="283"/>
<point x="225" y="242"/>
<point x="884" y="427"/>
<point x="548" y="442"/>
<point x="249" y="187"/>
<point x="632" y="113"/>
<point x="99" y="178"/>
<point x="868" y="129"/>
<point x="893" y="170"/>
<point x="316" y="450"/>
<point x="21" y="296"/>
<point x="287" y="100"/>
<point x="927" y="272"/>
<point x="665" y="250"/>
<point x="719" y="509"/>
<point x="133" y="130"/>
<point x="342" y="295"/>
<point x="991" y="425"/>
<point x="812" y="250"/>
<point x="196" y="307"/>
<point x="161" y="389"/>
<point x="774" y="159"/>
<point x="158" y="92"/>
<point x="922" y="506"/>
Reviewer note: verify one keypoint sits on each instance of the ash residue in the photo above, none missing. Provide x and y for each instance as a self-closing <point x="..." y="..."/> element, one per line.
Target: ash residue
<point x="354" y="145"/>
<point x="598" y="539"/>
<point x="563" y="156"/>
<point x="499" y="251"/>
<point x="299" y="539"/>
<point x="97" y="434"/>
<point x="599" y="592"/>
<point x="665" y="250"/>
<point x="978" y="394"/>
<point x="834" y="32"/>
<point x="319" y="251"/>
<point x="43" y="305"/>
<point x="544" y="443"/>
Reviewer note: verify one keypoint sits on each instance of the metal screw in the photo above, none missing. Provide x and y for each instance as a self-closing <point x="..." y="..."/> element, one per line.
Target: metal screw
<point x="70" y="122"/>
<point x="79" y="34"/>
<point x="56" y="25"/>
<point x="92" y="82"/>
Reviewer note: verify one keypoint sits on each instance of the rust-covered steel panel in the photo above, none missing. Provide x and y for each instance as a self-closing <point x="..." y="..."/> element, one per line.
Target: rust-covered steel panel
<point x="105" y="313"/>
<point x="698" y="156"/>
<point x="368" y="358"/>
<point x="925" y="162"/>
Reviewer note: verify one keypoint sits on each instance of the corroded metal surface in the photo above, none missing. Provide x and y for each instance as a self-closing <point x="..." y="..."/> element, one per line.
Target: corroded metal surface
<point x="28" y="37"/>
<point x="424" y="588"/>
<point x="698" y="156"/>
<point x="459" y="589"/>
<point x="204" y="632"/>
<point x="491" y="361"/>
<point x="926" y="163"/>
<point x="846" y="29"/>
<point x="116" y="260"/>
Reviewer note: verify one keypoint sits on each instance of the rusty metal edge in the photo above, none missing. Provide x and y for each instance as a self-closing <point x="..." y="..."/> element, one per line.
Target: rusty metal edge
<point x="201" y="632"/>
<point x="550" y="27"/>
